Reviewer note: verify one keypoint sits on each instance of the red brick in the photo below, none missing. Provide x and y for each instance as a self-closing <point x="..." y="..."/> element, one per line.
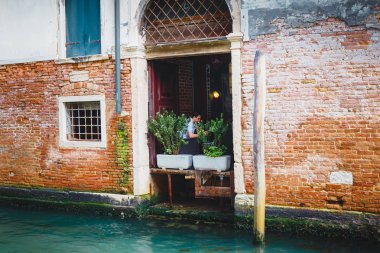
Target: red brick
<point x="30" y="134"/>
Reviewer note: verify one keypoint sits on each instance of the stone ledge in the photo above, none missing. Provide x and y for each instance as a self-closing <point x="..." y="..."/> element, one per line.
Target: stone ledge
<point x="71" y="196"/>
<point x="315" y="222"/>
<point x="90" y="58"/>
<point x="343" y="226"/>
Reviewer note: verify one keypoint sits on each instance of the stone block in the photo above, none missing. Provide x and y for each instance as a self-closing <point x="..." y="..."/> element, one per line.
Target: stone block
<point x="79" y="76"/>
<point x="341" y="177"/>
<point x="244" y="203"/>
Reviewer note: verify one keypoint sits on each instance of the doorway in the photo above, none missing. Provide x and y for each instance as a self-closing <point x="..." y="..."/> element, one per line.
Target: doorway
<point x="186" y="85"/>
<point x="229" y="42"/>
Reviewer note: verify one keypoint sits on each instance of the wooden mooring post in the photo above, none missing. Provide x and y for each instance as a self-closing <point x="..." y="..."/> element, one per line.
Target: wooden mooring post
<point x="258" y="147"/>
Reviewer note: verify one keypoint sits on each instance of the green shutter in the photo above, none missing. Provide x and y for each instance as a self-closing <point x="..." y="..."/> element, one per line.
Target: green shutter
<point x="82" y="27"/>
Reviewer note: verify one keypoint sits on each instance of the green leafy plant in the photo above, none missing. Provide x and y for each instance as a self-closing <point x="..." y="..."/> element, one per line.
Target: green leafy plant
<point x="168" y="128"/>
<point x="122" y="150"/>
<point x="210" y="136"/>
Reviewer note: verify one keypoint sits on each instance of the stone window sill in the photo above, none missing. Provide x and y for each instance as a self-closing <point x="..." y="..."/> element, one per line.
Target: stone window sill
<point x="89" y="58"/>
<point x="64" y="123"/>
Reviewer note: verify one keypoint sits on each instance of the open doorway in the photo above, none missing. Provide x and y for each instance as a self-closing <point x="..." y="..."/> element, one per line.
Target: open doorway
<point x="186" y="85"/>
<point x="191" y="84"/>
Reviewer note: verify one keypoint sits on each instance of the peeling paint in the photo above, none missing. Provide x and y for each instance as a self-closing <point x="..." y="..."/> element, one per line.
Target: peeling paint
<point x="262" y="14"/>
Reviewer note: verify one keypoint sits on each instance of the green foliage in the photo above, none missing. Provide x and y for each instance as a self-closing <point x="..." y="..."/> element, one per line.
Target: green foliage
<point x="212" y="142"/>
<point x="122" y="150"/>
<point x="201" y="131"/>
<point x="168" y="128"/>
<point x="144" y="208"/>
<point x="214" y="151"/>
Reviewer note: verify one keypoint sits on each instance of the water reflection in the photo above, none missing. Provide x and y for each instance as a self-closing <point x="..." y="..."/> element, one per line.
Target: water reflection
<point x="31" y="231"/>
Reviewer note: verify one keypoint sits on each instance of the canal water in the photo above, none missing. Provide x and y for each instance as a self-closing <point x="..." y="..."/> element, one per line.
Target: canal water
<point x="49" y="232"/>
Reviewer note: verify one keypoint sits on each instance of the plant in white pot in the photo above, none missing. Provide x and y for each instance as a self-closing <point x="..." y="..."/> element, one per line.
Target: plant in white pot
<point x="168" y="129"/>
<point x="210" y="136"/>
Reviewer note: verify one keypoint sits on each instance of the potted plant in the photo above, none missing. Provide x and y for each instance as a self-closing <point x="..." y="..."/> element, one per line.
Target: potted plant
<point x="210" y="137"/>
<point x="168" y="129"/>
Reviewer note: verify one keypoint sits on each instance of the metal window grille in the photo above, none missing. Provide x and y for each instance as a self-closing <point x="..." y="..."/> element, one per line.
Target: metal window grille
<point x="83" y="121"/>
<point x="169" y="21"/>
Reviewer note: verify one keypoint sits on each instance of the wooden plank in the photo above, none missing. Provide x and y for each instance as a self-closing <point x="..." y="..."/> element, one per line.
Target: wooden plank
<point x="170" y="190"/>
<point x="188" y="172"/>
<point x="258" y="147"/>
<point x="171" y="171"/>
<point x="213" y="191"/>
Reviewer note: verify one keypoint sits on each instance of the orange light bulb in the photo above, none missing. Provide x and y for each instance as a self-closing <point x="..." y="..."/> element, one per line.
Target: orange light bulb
<point x="216" y="94"/>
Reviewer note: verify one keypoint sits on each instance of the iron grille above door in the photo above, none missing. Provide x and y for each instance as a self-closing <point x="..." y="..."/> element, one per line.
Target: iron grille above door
<point x="170" y="21"/>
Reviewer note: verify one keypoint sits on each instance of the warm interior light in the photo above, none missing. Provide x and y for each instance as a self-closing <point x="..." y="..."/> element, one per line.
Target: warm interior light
<point x="215" y="94"/>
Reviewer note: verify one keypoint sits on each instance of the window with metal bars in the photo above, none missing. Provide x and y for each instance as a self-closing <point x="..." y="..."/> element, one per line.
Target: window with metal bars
<point x="170" y="21"/>
<point x="83" y="121"/>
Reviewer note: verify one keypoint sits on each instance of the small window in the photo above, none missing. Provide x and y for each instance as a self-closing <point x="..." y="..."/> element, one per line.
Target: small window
<point x="82" y="121"/>
<point x="82" y="27"/>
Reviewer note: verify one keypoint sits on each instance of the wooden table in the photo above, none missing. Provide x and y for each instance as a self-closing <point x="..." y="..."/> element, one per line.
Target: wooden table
<point x="169" y="173"/>
<point x="200" y="189"/>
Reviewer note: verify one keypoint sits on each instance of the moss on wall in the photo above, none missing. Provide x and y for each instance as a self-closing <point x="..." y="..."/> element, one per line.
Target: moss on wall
<point x="122" y="152"/>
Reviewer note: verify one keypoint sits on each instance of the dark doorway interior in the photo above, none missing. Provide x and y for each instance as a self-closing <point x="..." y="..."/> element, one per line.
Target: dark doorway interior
<point x="211" y="74"/>
<point x="185" y="85"/>
<point x="212" y="77"/>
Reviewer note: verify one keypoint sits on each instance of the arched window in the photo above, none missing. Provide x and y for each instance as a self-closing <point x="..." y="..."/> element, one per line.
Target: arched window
<point x="170" y="21"/>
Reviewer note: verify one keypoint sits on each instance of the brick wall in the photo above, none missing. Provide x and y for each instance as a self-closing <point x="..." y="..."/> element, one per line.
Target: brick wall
<point x="29" y="135"/>
<point x="322" y="115"/>
<point x="185" y="86"/>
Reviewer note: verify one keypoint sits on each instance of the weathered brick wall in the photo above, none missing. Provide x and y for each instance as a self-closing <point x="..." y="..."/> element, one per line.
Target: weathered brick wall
<point x="185" y="87"/>
<point x="322" y="115"/>
<point x="29" y="135"/>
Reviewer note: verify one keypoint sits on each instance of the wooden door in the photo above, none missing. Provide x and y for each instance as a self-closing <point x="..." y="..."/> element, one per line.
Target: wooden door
<point x="163" y="90"/>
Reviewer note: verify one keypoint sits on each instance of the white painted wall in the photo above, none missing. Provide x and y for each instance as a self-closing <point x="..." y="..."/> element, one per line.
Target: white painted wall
<point x="28" y="30"/>
<point x="34" y="30"/>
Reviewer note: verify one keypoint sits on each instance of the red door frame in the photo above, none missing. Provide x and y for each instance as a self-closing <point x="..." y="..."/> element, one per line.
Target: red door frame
<point x="162" y="76"/>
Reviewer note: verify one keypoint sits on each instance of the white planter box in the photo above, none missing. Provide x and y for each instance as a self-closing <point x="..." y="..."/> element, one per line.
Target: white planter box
<point x="202" y="162"/>
<point x="181" y="162"/>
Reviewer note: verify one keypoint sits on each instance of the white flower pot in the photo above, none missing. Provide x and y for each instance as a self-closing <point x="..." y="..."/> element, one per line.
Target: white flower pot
<point x="221" y="163"/>
<point x="181" y="162"/>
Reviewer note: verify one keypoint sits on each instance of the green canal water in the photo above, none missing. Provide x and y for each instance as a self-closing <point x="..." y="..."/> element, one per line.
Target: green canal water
<point x="48" y="232"/>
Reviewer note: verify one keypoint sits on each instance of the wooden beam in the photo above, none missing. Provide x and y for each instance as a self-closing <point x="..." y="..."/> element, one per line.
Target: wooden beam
<point x="258" y="147"/>
<point x="172" y="172"/>
<point x="170" y="190"/>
